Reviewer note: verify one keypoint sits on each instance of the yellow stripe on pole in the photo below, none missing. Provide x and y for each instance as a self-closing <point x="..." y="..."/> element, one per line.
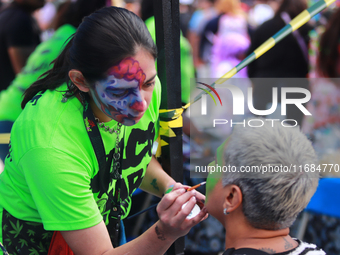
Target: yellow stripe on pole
<point x="300" y="20"/>
<point x="329" y="2"/>
<point x="267" y="45"/>
<point x="4" y="138"/>
<point x="228" y="75"/>
<point x="186" y="106"/>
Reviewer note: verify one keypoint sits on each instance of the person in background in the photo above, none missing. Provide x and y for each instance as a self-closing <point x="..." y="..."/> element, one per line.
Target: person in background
<point x="185" y="13"/>
<point x="133" y="6"/>
<point x="323" y="127"/>
<point x="288" y="59"/>
<point x="83" y="144"/>
<point x="261" y="11"/>
<point x="19" y="35"/>
<point x="226" y="41"/>
<point x="257" y="208"/>
<point x="231" y="41"/>
<point x="325" y="87"/>
<point x="68" y="18"/>
<point x="45" y="15"/>
<point x="205" y="11"/>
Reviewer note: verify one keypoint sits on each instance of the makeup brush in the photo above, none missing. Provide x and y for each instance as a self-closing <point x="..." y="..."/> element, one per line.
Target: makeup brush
<point x="154" y="205"/>
<point x="196" y="186"/>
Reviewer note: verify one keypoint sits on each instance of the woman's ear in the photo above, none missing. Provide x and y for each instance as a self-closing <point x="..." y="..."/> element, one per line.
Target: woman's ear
<point x="78" y="79"/>
<point x="233" y="198"/>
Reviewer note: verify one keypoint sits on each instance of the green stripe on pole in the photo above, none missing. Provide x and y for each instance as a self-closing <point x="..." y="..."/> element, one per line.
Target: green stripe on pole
<point x="246" y="61"/>
<point x="317" y="7"/>
<point x="283" y="33"/>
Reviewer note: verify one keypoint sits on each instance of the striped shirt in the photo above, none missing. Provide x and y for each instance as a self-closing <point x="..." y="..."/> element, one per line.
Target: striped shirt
<point x="302" y="249"/>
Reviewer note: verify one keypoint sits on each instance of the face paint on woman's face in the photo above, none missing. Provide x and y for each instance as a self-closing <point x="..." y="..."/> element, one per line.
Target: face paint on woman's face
<point x="120" y="95"/>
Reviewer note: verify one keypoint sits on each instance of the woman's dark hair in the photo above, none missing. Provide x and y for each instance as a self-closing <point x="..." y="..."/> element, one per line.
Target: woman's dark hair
<point x="292" y="7"/>
<point x="102" y="40"/>
<point x="330" y="47"/>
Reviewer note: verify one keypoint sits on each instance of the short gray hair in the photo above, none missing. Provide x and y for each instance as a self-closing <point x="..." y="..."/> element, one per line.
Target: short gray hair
<point x="274" y="199"/>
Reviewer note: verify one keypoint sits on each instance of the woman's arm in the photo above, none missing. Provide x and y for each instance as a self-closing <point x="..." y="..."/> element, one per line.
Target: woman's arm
<point x="156" y="181"/>
<point x="156" y="240"/>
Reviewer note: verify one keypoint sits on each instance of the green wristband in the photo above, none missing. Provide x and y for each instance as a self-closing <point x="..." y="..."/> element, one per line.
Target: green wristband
<point x="171" y="187"/>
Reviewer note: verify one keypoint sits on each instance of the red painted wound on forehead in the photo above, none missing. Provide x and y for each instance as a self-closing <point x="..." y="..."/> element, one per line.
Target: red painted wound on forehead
<point x="129" y="70"/>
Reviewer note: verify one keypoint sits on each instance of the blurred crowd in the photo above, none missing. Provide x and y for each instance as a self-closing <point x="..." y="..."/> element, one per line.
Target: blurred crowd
<point x="216" y="35"/>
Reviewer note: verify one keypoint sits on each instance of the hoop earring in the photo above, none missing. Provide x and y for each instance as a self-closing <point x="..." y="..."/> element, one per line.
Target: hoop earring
<point x="225" y="211"/>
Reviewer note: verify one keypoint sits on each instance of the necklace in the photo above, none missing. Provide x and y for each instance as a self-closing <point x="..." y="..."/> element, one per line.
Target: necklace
<point x="109" y="166"/>
<point x="116" y="154"/>
<point x="107" y="128"/>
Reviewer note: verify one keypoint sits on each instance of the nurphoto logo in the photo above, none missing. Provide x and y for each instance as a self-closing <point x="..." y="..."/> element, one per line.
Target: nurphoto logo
<point x="241" y="102"/>
<point x="204" y="97"/>
<point x="238" y="100"/>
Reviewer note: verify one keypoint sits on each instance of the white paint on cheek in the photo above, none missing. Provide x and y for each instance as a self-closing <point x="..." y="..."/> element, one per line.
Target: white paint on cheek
<point x="120" y="103"/>
<point x="116" y="103"/>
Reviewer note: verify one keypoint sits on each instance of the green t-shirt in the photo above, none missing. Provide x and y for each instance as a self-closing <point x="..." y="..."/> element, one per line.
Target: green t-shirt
<point x="187" y="64"/>
<point x="51" y="173"/>
<point x="37" y="63"/>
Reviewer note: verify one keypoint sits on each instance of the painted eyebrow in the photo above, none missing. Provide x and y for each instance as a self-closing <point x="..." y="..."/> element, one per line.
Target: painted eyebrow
<point x="110" y="89"/>
<point x="153" y="77"/>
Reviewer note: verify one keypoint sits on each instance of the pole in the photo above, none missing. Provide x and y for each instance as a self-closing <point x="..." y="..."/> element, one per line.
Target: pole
<point x="168" y="66"/>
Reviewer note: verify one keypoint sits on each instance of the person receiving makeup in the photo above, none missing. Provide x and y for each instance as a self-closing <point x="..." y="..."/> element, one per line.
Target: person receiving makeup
<point x="257" y="207"/>
<point x="83" y="144"/>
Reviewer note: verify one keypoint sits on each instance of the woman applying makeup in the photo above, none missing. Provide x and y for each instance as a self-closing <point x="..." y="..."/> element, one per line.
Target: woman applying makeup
<point x="83" y="144"/>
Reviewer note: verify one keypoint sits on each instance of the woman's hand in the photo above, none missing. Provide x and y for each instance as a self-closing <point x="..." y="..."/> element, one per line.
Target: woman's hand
<point x="173" y="221"/>
<point x="200" y="198"/>
<point x="155" y="241"/>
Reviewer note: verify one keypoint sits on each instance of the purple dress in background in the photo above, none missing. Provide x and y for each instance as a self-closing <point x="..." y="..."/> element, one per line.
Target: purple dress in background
<point x="229" y="46"/>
